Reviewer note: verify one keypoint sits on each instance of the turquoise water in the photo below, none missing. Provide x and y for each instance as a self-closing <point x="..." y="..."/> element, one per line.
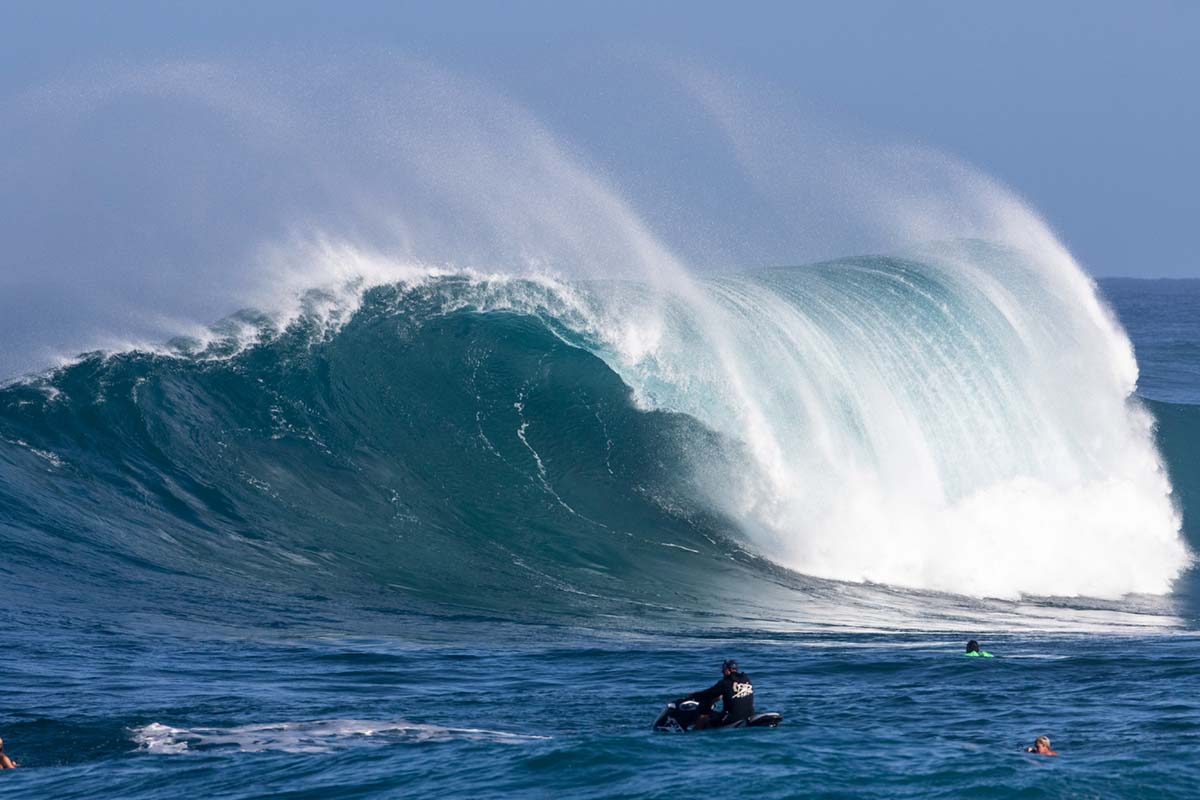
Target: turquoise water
<point x="460" y="545"/>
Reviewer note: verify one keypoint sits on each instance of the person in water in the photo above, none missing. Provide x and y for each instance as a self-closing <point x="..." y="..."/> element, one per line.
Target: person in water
<point x="973" y="649"/>
<point x="1041" y="746"/>
<point x="736" y="693"/>
<point x="5" y="761"/>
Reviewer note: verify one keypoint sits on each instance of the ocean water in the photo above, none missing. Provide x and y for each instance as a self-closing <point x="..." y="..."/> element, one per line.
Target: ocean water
<point x="466" y="534"/>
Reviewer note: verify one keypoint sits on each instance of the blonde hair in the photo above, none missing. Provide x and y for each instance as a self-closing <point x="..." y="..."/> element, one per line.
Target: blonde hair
<point x="1042" y="740"/>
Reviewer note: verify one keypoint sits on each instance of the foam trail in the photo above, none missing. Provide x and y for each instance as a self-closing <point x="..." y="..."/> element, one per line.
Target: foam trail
<point x="316" y="736"/>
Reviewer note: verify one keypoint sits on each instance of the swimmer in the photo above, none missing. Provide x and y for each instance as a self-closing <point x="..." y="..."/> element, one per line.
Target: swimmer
<point x="5" y="761"/>
<point x="1041" y="746"/>
<point x="973" y="649"/>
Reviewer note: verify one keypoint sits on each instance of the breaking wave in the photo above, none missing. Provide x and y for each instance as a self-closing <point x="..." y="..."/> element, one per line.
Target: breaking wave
<point x="637" y="432"/>
<point x="958" y="420"/>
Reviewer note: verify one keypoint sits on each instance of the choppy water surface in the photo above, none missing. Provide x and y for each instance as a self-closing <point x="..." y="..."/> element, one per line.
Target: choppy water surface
<point x="544" y="711"/>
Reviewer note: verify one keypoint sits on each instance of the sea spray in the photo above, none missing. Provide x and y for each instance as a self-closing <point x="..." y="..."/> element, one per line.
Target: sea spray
<point x="957" y="419"/>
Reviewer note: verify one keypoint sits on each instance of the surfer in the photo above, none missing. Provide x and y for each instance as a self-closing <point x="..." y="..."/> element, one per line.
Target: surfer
<point x="973" y="649"/>
<point x="5" y="761"/>
<point x="736" y="693"/>
<point x="1041" y="746"/>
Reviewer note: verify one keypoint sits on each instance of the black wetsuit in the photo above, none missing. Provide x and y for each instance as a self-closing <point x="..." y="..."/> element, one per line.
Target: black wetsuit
<point x="736" y="694"/>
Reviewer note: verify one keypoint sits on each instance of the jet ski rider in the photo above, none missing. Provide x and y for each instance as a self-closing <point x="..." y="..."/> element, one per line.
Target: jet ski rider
<point x="736" y="694"/>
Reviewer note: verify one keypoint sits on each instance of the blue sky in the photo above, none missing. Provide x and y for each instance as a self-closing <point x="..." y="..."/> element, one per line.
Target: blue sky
<point x="1087" y="110"/>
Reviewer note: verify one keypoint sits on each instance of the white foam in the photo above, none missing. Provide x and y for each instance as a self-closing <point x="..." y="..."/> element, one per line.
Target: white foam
<point x="314" y="736"/>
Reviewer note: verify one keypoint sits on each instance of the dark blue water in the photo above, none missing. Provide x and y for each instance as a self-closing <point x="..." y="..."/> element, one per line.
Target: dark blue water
<point x="1162" y="318"/>
<point x="551" y="711"/>
<point x="325" y="566"/>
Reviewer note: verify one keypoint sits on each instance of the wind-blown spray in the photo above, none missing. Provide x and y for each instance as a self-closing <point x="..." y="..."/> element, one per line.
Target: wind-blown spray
<point x="958" y="418"/>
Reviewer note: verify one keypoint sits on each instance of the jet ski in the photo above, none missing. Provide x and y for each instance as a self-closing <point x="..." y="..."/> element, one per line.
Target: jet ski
<point x="681" y="715"/>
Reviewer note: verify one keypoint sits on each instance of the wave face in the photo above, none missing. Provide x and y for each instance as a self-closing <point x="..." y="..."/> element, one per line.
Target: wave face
<point x="421" y="451"/>
<point x="952" y="421"/>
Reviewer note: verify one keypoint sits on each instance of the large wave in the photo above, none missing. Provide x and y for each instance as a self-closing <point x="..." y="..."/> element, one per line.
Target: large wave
<point x="608" y="418"/>
<point x="943" y="422"/>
